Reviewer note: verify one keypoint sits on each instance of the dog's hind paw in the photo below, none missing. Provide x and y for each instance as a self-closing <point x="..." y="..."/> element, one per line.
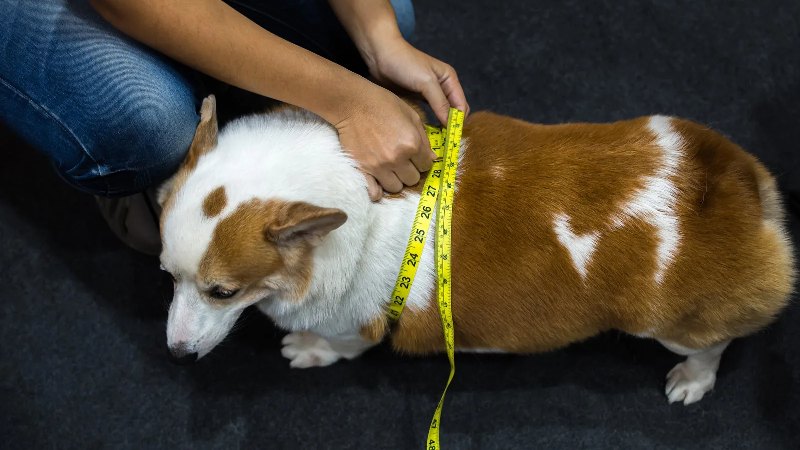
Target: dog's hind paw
<point x="306" y="350"/>
<point x="688" y="384"/>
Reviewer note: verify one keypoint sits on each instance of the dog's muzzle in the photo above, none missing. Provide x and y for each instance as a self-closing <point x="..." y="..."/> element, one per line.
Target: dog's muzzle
<point x="181" y="355"/>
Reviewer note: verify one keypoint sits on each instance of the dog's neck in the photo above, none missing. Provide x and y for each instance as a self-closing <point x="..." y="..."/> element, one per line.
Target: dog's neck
<point x="345" y="296"/>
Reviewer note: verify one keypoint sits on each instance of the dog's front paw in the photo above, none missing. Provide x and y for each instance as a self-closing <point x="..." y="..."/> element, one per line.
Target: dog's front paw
<point x="306" y="349"/>
<point x="688" y="384"/>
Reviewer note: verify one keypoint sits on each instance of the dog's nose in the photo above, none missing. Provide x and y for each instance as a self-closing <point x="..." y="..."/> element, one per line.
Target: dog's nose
<point x="179" y="355"/>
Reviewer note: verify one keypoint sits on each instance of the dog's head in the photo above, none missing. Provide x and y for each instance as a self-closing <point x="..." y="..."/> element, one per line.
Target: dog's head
<point x="227" y="249"/>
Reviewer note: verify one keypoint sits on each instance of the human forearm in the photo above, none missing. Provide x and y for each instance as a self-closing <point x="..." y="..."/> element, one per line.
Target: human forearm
<point x="215" y="39"/>
<point x="382" y="133"/>
<point x="370" y="23"/>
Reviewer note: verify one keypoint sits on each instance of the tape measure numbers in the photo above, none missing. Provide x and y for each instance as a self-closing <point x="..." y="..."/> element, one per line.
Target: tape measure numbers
<point x="422" y="223"/>
<point x="436" y="197"/>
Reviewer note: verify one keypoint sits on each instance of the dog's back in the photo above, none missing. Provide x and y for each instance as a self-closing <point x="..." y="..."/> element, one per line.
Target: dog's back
<point x="655" y="226"/>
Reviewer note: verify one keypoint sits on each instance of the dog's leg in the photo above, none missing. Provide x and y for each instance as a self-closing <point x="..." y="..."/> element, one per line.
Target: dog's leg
<point x="691" y="379"/>
<point x="305" y="349"/>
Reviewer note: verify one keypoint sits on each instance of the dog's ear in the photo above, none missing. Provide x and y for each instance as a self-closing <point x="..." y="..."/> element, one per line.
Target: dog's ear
<point x="205" y="136"/>
<point x="300" y="221"/>
<point x="205" y="139"/>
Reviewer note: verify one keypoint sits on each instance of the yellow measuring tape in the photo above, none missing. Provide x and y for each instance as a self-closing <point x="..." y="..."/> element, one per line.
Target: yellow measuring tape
<point x="437" y="192"/>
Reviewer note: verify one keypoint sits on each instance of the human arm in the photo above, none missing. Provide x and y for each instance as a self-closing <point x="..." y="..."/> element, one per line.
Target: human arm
<point x="215" y="39"/>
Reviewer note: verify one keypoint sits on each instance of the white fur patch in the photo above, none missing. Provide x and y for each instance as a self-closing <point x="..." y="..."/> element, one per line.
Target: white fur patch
<point x="580" y="248"/>
<point x="655" y="202"/>
<point x="306" y="350"/>
<point x="649" y="333"/>
<point x="688" y="381"/>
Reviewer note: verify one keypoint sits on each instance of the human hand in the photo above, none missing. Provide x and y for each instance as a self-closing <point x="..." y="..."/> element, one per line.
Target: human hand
<point x="386" y="137"/>
<point x="395" y="61"/>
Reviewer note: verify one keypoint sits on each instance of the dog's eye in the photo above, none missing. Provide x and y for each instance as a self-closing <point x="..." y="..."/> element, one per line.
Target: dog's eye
<point x="222" y="293"/>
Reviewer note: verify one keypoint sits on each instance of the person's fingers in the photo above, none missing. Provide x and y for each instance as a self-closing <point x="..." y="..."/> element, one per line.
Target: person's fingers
<point x="407" y="173"/>
<point x="423" y="159"/>
<point x="373" y="188"/>
<point x="389" y="181"/>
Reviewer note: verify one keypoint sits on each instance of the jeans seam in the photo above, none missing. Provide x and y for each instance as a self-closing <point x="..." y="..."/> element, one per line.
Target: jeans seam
<point x="44" y="112"/>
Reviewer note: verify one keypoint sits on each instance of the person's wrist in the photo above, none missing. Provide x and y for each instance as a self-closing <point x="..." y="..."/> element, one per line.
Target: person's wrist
<point x="380" y="38"/>
<point x="349" y="99"/>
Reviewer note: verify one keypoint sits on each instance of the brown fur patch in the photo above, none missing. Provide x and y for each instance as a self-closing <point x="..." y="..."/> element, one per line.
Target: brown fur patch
<point x="215" y="202"/>
<point x="267" y="239"/>
<point x="514" y="285"/>
<point x="239" y="253"/>
<point x="376" y="330"/>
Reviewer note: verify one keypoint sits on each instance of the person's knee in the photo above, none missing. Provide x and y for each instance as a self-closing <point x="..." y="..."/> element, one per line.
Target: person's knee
<point x="113" y="116"/>
<point x="140" y="146"/>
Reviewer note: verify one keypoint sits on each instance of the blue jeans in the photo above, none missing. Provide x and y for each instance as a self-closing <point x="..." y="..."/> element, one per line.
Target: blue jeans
<point x="114" y="116"/>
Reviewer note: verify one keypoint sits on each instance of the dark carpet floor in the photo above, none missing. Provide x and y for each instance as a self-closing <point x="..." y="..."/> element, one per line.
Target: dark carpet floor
<point x="82" y="337"/>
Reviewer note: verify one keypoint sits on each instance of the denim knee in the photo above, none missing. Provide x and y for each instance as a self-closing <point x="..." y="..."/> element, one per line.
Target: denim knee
<point x="113" y="116"/>
<point x="140" y="147"/>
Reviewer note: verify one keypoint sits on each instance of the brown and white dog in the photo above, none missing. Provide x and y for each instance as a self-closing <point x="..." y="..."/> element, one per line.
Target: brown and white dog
<point x="656" y="226"/>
